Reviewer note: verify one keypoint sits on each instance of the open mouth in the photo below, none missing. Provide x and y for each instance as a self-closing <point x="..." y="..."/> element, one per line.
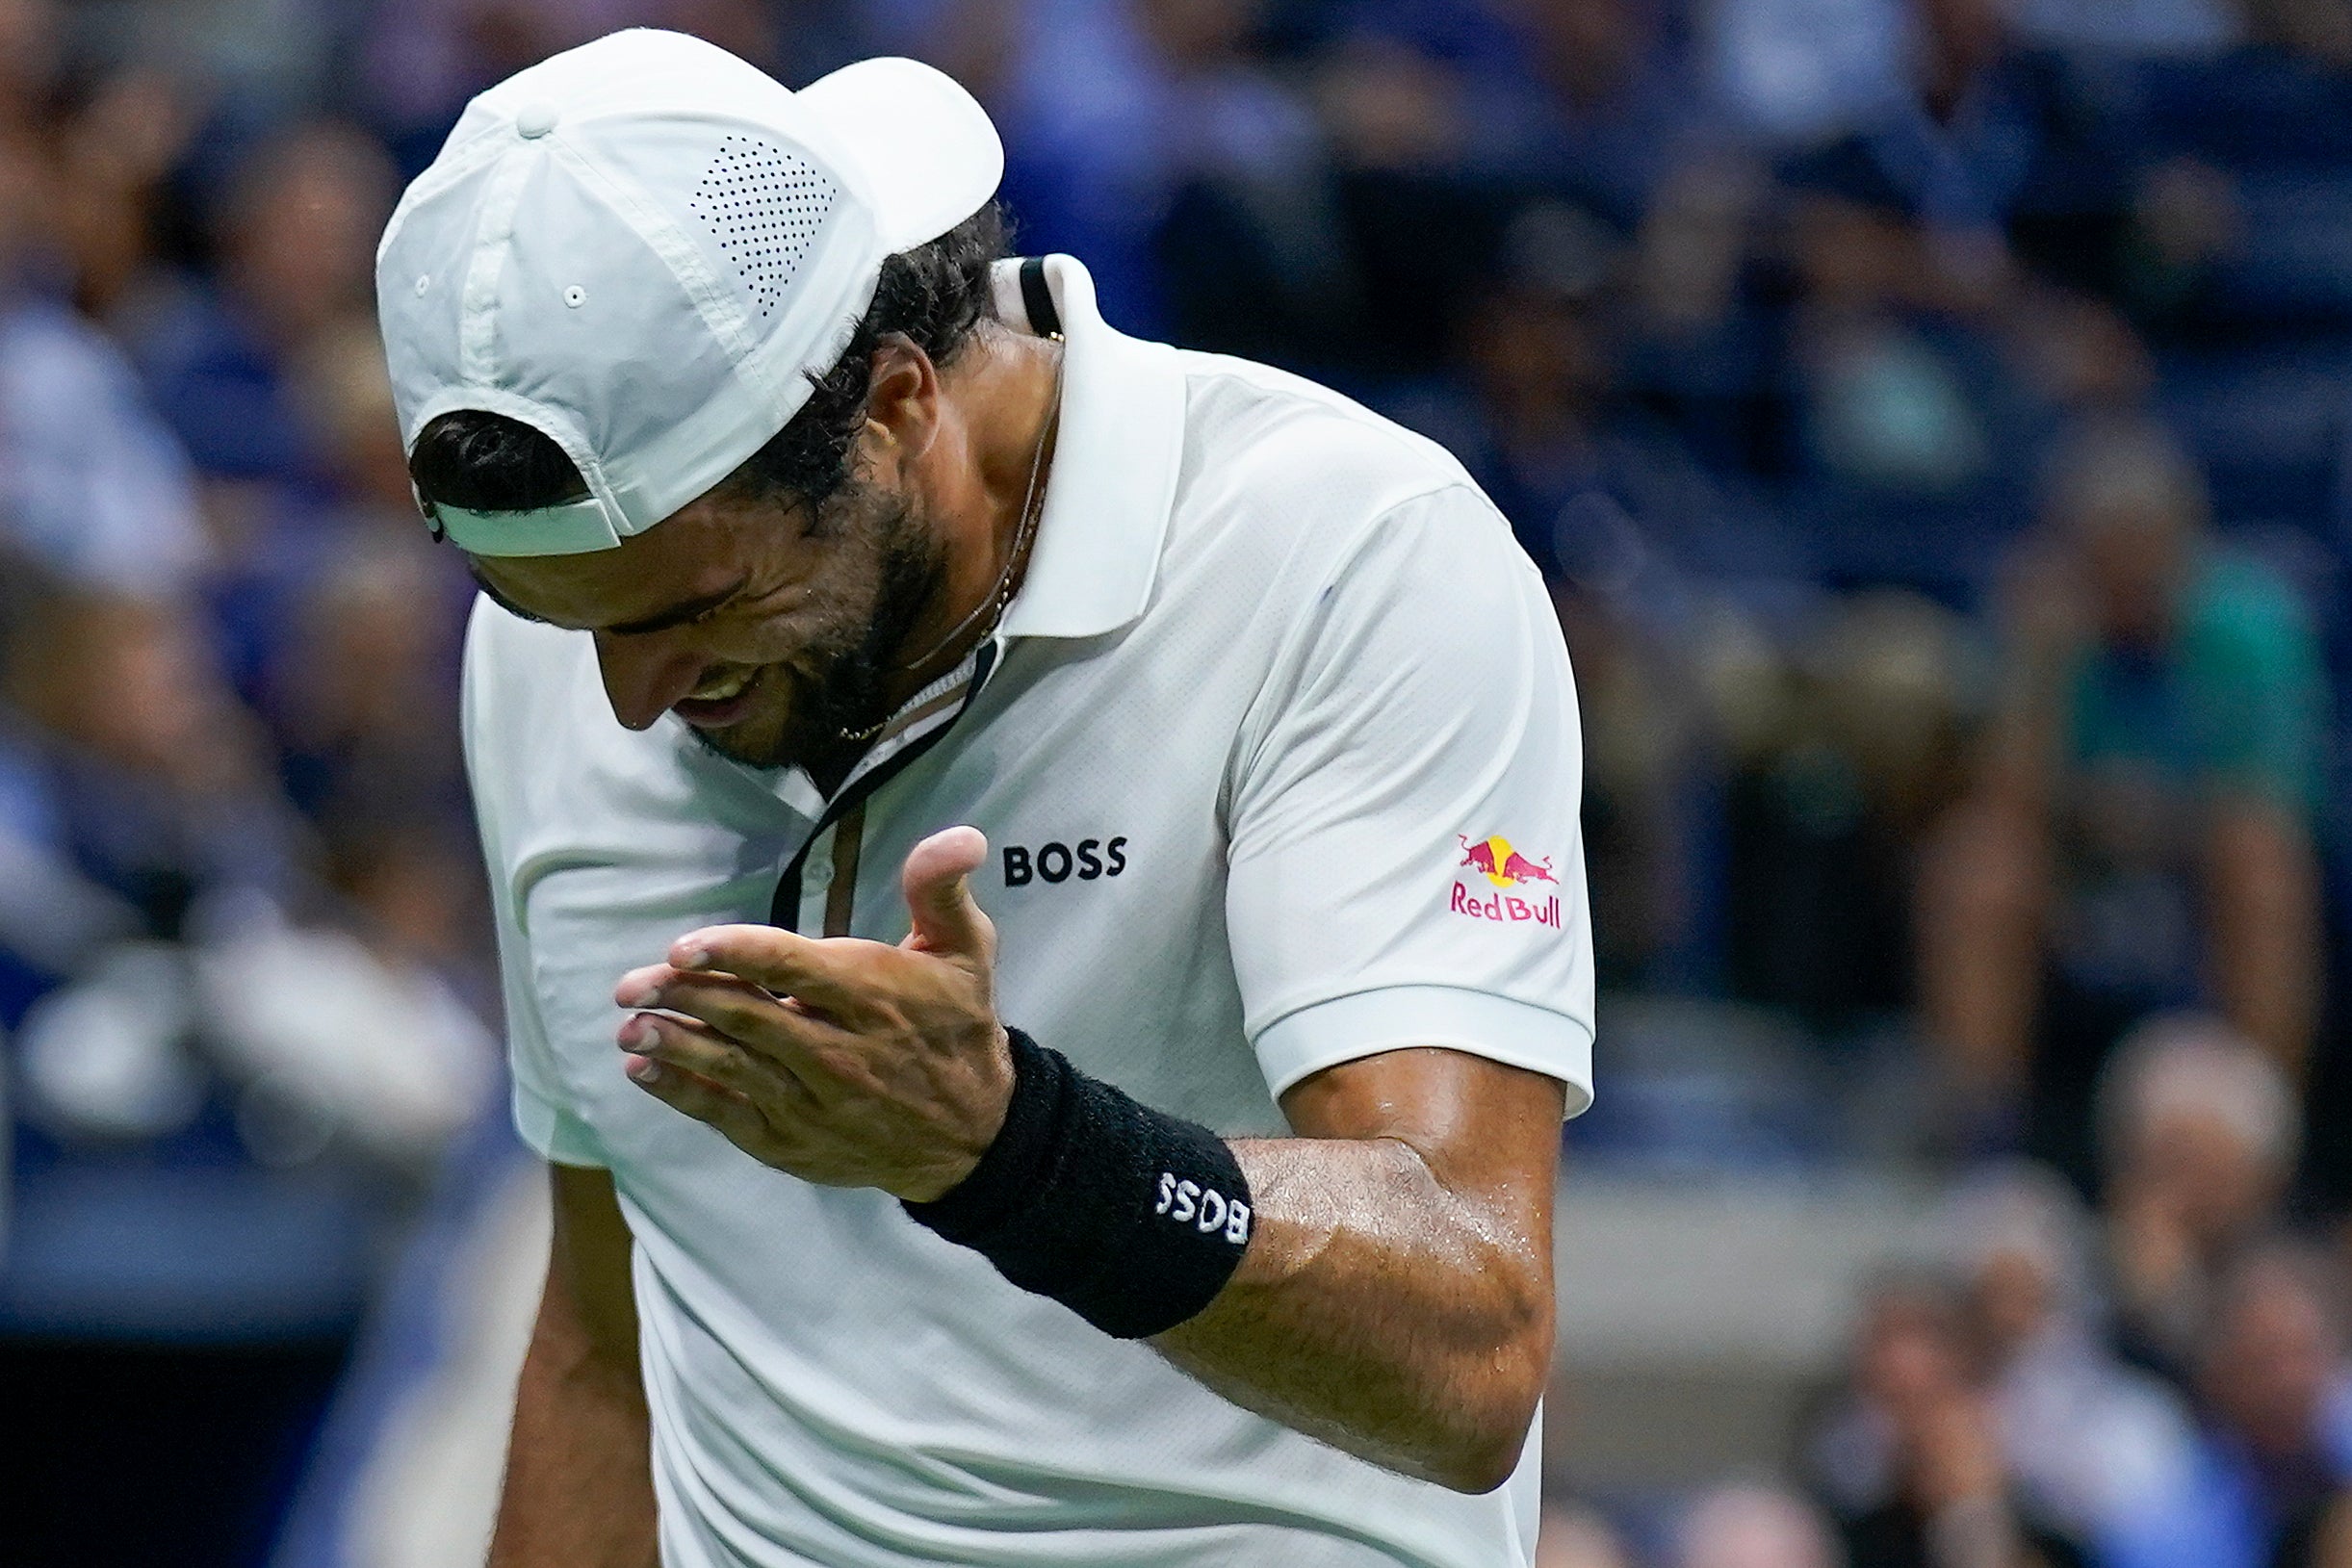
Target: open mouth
<point x="721" y="700"/>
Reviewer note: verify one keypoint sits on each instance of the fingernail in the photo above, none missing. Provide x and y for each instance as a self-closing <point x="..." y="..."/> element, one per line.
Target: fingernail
<point x="637" y="1032"/>
<point x="641" y="994"/>
<point x="694" y="958"/>
<point x="643" y="1068"/>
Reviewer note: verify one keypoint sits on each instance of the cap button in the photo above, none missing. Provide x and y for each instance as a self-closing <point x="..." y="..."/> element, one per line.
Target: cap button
<point x="534" y="120"/>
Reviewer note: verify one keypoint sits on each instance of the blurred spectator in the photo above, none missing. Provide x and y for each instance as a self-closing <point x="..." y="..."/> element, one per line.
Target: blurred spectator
<point x="1957" y="144"/>
<point x="1753" y="1526"/>
<point x="29" y="49"/>
<point x="1594" y="103"/>
<point x="1904" y="409"/>
<point x="357" y="666"/>
<point x="2198" y="1131"/>
<point x="91" y="487"/>
<point x="345" y="393"/>
<point x="274" y="378"/>
<point x="2322" y="1539"/>
<point x="424" y="59"/>
<point x="1641" y="740"/>
<point x="1914" y="1462"/>
<point x="1114" y="114"/>
<point x="296" y="236"/>
<point x="382" y="625"/>
<point x="103" y="142"/>
<point x="158" y="783"/>
<point x="2142" y="836"/>
<point x="158" y="801"/>
<point x="1755" y="317"/>
<point x="2133" y="27"/>
<point x="419" y="61"/>
<point x="1573" y="1536"/>
<point x="1916" y="414"/>
<point x="2277" y="1440"/>
<point x="1825" y="819"/>
<point x="1600" y="491"/>
<point x="1799" y="71"/>
<point x="1538" y="433"/>
<point x="356" y="622"/>
<point x="2077" y="355"/>
<point x="115" y="153"/>
<point x="1697" y="336"/>
<point x="211" y="1097"/>
<point x="2093" y="1443"/>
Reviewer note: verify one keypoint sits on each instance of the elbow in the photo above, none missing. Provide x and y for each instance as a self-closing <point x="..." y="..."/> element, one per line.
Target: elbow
<point x="1476" y="1472"/>
<point x="1485" y="1451"/>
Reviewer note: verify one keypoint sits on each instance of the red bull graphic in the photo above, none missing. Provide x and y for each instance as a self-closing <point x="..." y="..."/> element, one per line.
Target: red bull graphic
<point x="1504" y="868"/>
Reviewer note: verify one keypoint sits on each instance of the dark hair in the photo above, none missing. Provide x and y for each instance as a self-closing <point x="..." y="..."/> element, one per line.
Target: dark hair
<point x="934" y="295"/>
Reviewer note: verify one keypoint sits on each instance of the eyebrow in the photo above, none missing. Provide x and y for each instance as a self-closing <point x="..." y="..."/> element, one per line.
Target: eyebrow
<point x="661" y="620"/>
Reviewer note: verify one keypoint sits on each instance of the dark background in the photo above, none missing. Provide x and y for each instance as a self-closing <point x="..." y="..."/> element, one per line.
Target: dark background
<point x="1930" y="415"/>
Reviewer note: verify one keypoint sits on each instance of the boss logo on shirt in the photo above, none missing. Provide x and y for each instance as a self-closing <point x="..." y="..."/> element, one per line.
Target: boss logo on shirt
<point x="1204" y="1208"/>
<point x="1089" y="860"/>
<point x="1494" y="859"/>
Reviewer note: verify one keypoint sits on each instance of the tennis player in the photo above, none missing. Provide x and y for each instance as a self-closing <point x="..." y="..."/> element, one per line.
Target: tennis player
<point x="843" y="580"/>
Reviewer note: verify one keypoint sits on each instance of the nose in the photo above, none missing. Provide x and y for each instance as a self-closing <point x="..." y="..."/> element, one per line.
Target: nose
<point x="644" y="675"/>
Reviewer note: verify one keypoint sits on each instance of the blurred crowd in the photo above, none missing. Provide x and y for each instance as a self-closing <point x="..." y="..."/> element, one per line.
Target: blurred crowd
<point x="1930" y="415"/>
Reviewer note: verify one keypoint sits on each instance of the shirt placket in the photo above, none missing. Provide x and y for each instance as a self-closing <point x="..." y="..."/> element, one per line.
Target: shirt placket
<point x="827" y="898"/>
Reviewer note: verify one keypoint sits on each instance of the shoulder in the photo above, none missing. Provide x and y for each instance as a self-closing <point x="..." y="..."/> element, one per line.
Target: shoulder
<point x="1305" y="481"/>
<point x="1286" y="431"/>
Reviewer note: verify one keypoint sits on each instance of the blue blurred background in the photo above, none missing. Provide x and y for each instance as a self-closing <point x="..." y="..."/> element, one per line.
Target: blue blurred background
<point x="1931" y="417"/>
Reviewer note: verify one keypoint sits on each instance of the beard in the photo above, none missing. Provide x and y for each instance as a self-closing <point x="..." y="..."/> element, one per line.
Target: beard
<point x="891" y="568"/>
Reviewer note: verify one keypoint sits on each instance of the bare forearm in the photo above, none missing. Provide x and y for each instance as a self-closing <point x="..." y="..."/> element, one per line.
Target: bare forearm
<point x="2265" y="914"/>
<point x="1978" y="899"/>
<point x="578" y="1491"/>
<point x="1381" y="1312"/>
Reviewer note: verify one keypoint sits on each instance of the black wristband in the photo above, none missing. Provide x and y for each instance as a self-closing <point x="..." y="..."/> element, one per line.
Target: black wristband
<point x="1132" y="1219"/>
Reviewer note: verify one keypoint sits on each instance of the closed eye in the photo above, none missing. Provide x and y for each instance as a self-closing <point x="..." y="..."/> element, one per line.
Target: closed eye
<point x="694" y="612"/>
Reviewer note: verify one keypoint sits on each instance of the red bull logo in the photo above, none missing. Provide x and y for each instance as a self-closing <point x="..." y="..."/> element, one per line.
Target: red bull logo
<point x="1502" y="864"/>
<point x="1504" y="868"/>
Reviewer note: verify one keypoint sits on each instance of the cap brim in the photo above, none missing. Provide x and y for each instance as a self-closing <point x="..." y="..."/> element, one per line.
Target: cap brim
<point x="930" y="156"/>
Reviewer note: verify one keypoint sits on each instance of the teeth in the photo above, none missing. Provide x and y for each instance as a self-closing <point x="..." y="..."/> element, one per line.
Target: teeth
<point x="721" y="687"/>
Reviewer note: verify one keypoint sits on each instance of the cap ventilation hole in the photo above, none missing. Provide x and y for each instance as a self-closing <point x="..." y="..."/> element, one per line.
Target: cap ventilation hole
<point x="763" y="206"/>
<point x="574" y="296"/>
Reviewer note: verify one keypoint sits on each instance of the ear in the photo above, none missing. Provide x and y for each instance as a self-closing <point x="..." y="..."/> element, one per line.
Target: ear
<point x="902" y="403"/>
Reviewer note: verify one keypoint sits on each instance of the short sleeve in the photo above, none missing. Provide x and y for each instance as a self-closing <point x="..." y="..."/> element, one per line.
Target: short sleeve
<point x="1406" y="866"/>
<point x="2256" y="688"/>
<point x="541" y="1115"/>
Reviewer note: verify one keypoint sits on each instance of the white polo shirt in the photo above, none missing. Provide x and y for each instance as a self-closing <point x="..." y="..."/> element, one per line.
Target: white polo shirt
<point x="1277" y="753"/>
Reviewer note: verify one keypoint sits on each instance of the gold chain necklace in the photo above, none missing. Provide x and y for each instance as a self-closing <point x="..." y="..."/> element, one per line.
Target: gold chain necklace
<point x="992" y="606"/>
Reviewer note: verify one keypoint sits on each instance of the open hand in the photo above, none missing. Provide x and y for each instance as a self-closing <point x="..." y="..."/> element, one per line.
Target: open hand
<point x="845" y="1062"/>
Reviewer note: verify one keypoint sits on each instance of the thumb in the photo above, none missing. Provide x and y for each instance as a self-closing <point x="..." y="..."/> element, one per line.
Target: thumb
<point x="948" y="919"/>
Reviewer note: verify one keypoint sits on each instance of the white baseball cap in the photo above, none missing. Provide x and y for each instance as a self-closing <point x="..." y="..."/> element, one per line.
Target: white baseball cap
<point x="642" y="246"/>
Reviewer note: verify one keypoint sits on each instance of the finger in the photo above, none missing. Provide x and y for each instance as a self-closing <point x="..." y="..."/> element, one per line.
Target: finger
<point x="704" y="1052"/>
<point x="776" y="1027"/>
<point x="783" y="961"/>
<point x="642" y="987"/>
<point x="937" y="884"/>
<point x="697" y="1096"/>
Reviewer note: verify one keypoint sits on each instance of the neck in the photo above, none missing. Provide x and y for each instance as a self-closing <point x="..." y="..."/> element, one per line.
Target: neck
<point x="985" y="473"/>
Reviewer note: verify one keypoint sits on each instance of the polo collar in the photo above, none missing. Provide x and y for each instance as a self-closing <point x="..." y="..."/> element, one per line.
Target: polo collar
<point x="1108" y="496"/>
